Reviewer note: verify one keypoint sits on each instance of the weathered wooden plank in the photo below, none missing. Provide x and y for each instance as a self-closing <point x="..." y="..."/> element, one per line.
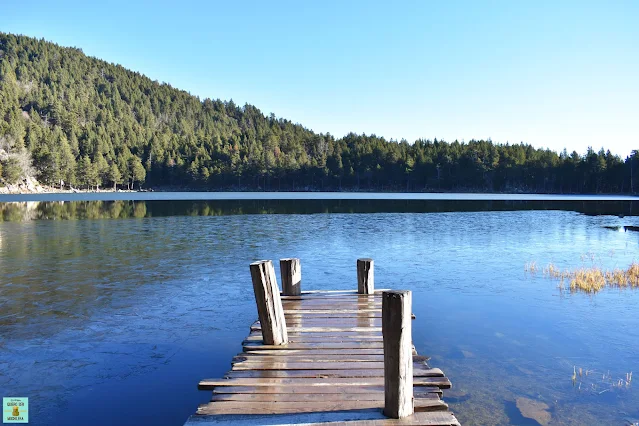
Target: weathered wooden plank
<point x="441" y="382"/>
<point x="289" y="315"/>
<point x="349" y="296"/>
<point x="312" y="352"/>
<point x="364" y="331"/>
<point x="311" y="307"/>
<point x="338" y="373"/>
<point x="353" y="304"/>
<point x="337" y="310"/>
<point x="371" y="417"/>
<point x="316" y="339"/>
<point x="419" y="369"/>
<point x="330" y="310"/>
<point x="339" y="298"/>
<point x="323" y="329"/>
<point x="335" y="326"/>
<point x="289" y="389"/>
<point x="304" y="327"/>
<point x="313" y="357"/>
<point x="327" y="334"/>
<point x="326" y="315"/>
<point x="376" y="314"/>
<point x="424" y="418"/>
<point x="334" y="322"/>
<point x="253" y="346"/>
<point x="328" y="293"/>
<point x="349" y="299"/>
<point x="299" y="397"/>
<point x="269" y="305"/>
<point x="291" y="374"/>
<point x="256" y="336"/>
<point x="317" y="346"/>
<point x="363" y="320"/>
<point x="306" y="358"/>
<point x="276" y="407"/>
<point x="284" y="364"/>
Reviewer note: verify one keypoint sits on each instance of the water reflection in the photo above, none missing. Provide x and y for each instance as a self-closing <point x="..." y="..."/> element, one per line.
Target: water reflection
<point x="104" y="310"/>
<point x="66" y="210"/>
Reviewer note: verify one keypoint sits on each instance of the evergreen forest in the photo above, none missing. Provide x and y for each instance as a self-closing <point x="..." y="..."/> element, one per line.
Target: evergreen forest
<point x="73" y="120"/>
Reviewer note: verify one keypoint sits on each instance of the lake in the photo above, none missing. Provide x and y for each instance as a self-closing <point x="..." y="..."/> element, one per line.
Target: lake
<point x="112" y="311"/>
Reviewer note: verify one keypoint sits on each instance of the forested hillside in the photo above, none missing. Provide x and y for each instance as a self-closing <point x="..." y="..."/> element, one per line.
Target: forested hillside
<point x="65" y="116"/>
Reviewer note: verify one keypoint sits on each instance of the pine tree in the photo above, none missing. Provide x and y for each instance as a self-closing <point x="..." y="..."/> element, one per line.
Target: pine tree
<point x="137" y="172"/>
<point x="114" y="176"/>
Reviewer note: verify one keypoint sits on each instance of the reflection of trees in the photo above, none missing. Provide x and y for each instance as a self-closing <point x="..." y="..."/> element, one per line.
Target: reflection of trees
<point x="115" y="209"/>
<point x="139" y="209"/>
<point x="18" y="212"/>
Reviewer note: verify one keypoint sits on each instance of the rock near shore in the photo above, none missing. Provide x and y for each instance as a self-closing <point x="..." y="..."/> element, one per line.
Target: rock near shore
<point x="25" y="185"/>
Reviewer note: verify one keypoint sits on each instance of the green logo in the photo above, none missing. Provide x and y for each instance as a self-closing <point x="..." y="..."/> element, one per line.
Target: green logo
<point x="15" y="410"/>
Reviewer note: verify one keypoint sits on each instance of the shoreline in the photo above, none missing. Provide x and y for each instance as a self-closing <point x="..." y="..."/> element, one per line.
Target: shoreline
<point x="31" y="190"/>
<point x="301" y="195"/>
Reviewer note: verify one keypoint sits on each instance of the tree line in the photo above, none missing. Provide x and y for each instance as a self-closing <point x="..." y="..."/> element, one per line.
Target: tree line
<point x="70" y="119"/>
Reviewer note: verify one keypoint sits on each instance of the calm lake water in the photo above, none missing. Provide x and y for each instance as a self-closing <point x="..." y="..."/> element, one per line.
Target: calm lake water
<point x="111" y="312"/>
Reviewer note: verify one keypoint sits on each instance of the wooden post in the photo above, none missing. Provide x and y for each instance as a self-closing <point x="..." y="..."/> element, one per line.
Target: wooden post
<point x="398" y="354"/>
<point x="291" y="271"/>
<point x="365" y="276"/>
<point x="269" y="304"/>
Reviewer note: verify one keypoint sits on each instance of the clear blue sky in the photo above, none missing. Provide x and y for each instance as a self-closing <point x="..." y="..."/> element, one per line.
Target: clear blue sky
<point x="551" y="73"/>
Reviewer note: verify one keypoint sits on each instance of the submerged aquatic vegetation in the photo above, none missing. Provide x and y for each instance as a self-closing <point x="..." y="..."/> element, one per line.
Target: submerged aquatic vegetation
<point x="587" y="381"/>
<point x="553" y="271"/>
<point x="530" y="267"/>
<point x="591" y="279"/>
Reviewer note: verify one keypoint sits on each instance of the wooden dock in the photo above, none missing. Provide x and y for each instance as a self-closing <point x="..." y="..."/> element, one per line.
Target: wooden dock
<point x="330" y="370"/>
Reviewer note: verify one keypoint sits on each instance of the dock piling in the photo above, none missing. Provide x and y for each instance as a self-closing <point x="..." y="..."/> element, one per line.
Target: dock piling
<point x="365" y="276"/>
<point x="269" y="303"/>
<point x="291" y="271"/>
<point x="398" y="356"/>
